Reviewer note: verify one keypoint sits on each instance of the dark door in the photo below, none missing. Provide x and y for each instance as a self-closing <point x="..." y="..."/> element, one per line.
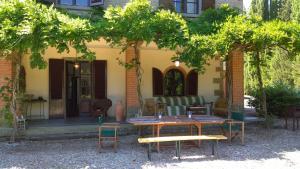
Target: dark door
<point x="72" y="80"/>
<point x="56" y="79"/>
<point x="100" y="79"/>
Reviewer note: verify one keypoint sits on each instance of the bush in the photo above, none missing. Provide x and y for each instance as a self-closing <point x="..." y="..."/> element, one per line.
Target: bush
<point x="279" y="98"/>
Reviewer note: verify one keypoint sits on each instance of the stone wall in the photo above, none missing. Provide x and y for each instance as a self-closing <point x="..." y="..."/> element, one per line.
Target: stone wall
<point x="233" y="3"/>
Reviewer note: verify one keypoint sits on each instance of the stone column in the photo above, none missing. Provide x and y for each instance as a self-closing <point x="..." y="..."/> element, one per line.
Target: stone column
<point x="237" y="59"/>
<point x="131" y="84"/>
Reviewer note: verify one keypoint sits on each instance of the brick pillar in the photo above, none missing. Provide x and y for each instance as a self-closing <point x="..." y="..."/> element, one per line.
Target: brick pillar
<point x="237" y="59"/>
<point x="5" y="71"/>
<point x="131" y="84"/>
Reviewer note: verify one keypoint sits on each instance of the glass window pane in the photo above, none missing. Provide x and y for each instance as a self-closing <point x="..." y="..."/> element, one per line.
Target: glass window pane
<point x="194" y="1"/>
<point x="191" y="8"/>
<point x="177" y="5"/>
<point x="66" y="2"/>
<point x="85" y="68"/>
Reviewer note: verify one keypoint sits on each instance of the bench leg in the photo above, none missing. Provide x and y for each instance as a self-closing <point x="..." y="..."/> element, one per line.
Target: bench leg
<point x="178" y="149"/>
<point x="149" y="151"/>
<point x="214" y="148"/>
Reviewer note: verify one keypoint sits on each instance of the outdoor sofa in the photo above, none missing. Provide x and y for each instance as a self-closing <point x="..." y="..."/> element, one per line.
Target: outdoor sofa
<point x="177" y="105"/>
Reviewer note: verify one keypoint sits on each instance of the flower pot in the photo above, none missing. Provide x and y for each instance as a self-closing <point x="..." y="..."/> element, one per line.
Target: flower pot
<point x="119" y="111"/>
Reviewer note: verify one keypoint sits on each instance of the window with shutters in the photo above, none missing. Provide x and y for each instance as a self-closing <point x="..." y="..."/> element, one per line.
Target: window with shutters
<point x="187" y="6"/>
<point x="174" y="83"/>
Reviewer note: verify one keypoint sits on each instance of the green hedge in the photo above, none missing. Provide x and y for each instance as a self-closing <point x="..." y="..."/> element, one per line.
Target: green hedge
<point x="279" y="98"/>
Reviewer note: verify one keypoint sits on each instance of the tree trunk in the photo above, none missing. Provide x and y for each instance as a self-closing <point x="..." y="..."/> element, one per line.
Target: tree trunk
<point x="262" y="92"/>
<point x="138" y="71"/>
<point x="15" y="87"/>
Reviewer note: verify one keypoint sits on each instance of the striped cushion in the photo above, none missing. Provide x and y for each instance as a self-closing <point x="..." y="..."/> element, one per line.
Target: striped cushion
<point x="177" y="105"/>
<point x="199" y="100"/>
<point x="184" y="100"/>
<point x="176" y="110"/>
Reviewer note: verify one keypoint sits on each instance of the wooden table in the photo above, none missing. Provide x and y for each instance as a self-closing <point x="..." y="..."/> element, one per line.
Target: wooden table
<point x="196" y="120"/>
<point x="197" y="109"/>
<point x="29" y="104"/>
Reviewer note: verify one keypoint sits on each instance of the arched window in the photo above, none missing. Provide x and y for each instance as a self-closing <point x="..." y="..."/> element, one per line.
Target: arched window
<point x="174" y="83"/>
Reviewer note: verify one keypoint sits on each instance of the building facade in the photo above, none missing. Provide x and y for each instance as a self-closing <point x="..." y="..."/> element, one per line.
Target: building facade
<point x="68" y="89"/>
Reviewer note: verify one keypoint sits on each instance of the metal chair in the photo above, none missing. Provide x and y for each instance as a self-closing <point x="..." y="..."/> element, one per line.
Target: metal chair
<point x="107" y="132"/>
<point x="235" y="126"/>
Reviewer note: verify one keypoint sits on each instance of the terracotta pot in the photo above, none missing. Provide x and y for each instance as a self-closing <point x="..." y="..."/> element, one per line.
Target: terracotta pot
<point x="119" y="111"/>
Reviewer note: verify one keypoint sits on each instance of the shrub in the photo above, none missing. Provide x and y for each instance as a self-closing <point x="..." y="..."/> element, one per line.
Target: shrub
<point x="279" y="98"/>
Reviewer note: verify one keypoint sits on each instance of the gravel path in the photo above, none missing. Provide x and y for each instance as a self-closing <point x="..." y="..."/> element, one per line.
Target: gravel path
<point x="276" y="149"/>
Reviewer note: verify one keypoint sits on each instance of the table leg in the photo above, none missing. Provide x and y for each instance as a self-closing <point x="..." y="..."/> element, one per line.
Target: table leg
<point x="153" y="130"/>
<point x="30" y="110"/>
<point x="40" y="110"/>
<point x="243" y="133"/>
<point x="43" y="110"/>
<point x="140" y="131"/>
<point x="158" y="134"/>
<point x="191" y="129"/>
<point x="199" y="133"/>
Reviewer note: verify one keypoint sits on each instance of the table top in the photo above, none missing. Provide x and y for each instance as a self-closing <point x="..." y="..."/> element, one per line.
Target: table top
<point x="35" y="100"/>
<point x="176" y="120"/>
<point x="196" y="107"/>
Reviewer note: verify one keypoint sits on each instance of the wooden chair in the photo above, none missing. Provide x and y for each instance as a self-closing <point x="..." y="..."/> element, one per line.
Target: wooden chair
<point x="107" y="132"/>
<point x="235" y="126"/>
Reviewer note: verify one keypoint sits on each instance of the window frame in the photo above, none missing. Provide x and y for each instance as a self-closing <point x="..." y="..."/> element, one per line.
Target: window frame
<point x="74" y="3"/>
<point x="184" y="6"/>
<point x="183" y="82"/>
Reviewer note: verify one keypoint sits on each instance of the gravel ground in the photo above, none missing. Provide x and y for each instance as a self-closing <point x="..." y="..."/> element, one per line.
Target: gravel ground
<point x="276" y="148"/>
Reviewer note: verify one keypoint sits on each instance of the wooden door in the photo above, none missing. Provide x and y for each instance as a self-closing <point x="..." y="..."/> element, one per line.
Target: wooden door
<point x="100" y="84"/>
<point x="56" y="80"/>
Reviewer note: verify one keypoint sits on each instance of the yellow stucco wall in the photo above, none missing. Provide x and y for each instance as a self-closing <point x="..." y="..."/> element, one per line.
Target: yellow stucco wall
<point x="161" y="59"/>
<point x="37" y="81"/>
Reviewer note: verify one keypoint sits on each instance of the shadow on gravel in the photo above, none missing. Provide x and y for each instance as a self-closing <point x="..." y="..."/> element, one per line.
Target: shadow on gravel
<point x="260" y="144"/>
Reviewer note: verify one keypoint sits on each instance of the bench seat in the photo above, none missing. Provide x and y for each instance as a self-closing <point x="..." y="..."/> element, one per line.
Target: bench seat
<point x="178" y="139"/>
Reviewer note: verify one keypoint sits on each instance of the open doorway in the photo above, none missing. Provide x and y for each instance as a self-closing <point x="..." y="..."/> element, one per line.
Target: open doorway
<point x="78" y="88"/>
<point x="72" y="88"/>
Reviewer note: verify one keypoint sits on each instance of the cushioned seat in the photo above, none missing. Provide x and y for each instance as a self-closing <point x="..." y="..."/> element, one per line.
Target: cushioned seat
<point x="178" y="105"/>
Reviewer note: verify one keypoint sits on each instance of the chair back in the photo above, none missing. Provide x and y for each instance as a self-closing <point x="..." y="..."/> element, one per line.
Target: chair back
<point x="235" y="115"/>
<point x="101" y="119"/>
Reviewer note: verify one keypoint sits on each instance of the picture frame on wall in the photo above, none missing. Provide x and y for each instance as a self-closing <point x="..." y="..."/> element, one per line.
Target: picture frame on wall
<point x="96" y="2"/>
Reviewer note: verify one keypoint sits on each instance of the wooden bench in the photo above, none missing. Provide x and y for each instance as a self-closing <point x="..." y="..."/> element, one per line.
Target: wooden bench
<point x="178" y="139"/>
